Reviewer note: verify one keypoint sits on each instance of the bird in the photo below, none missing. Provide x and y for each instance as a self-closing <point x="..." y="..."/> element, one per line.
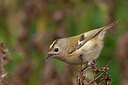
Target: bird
<point x="82" y="48"/>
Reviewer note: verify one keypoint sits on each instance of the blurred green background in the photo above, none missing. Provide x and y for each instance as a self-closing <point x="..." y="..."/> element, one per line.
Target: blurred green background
<point x="28" y="27"/>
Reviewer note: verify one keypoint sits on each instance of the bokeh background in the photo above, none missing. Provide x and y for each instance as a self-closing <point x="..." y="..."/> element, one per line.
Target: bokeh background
<point x="28" y="27"/>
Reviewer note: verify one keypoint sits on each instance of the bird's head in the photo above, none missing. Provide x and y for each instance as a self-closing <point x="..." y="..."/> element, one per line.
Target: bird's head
<point x="57" y="49"/>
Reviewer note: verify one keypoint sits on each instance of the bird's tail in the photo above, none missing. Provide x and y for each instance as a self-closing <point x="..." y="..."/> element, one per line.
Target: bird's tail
<point x="109" y="27"/>
<point x="106" y="29"/>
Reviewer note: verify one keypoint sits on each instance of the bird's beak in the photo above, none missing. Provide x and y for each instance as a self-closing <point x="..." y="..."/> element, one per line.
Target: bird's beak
<point x="49" y="55"/>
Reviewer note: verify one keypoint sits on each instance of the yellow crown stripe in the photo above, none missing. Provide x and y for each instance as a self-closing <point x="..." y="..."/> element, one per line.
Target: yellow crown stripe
<point x="52" y="44"/>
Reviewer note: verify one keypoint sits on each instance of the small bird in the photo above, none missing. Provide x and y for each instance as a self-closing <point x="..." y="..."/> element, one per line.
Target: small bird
<point x="82" y="48"/>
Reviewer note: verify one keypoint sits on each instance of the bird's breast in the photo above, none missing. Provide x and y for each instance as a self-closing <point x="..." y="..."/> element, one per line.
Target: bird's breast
<point x="89" y="51"/>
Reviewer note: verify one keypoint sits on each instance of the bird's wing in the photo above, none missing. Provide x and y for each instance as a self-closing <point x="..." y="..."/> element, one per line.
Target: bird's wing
<point x="87" y="36"/>
<point x="82" y="39"/>
<point x="72" y="44"/>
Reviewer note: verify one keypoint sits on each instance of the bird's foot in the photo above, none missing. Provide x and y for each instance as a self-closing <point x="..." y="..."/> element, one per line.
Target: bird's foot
<point x="91" y="64"/>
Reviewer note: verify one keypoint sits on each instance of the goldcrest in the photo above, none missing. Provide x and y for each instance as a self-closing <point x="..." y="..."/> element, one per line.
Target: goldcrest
<point x="81" y="48"/>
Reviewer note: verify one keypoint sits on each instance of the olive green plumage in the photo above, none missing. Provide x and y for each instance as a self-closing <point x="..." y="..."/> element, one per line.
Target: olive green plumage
<point x="87" y="45"/>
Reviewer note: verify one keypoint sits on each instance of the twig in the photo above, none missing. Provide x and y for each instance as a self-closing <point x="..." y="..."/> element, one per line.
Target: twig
<point x="3" y="62"/>
<point x="96" y="78"/>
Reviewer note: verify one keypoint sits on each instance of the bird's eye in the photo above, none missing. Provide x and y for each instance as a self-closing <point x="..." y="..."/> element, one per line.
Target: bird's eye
<point x="56" y="49"/>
